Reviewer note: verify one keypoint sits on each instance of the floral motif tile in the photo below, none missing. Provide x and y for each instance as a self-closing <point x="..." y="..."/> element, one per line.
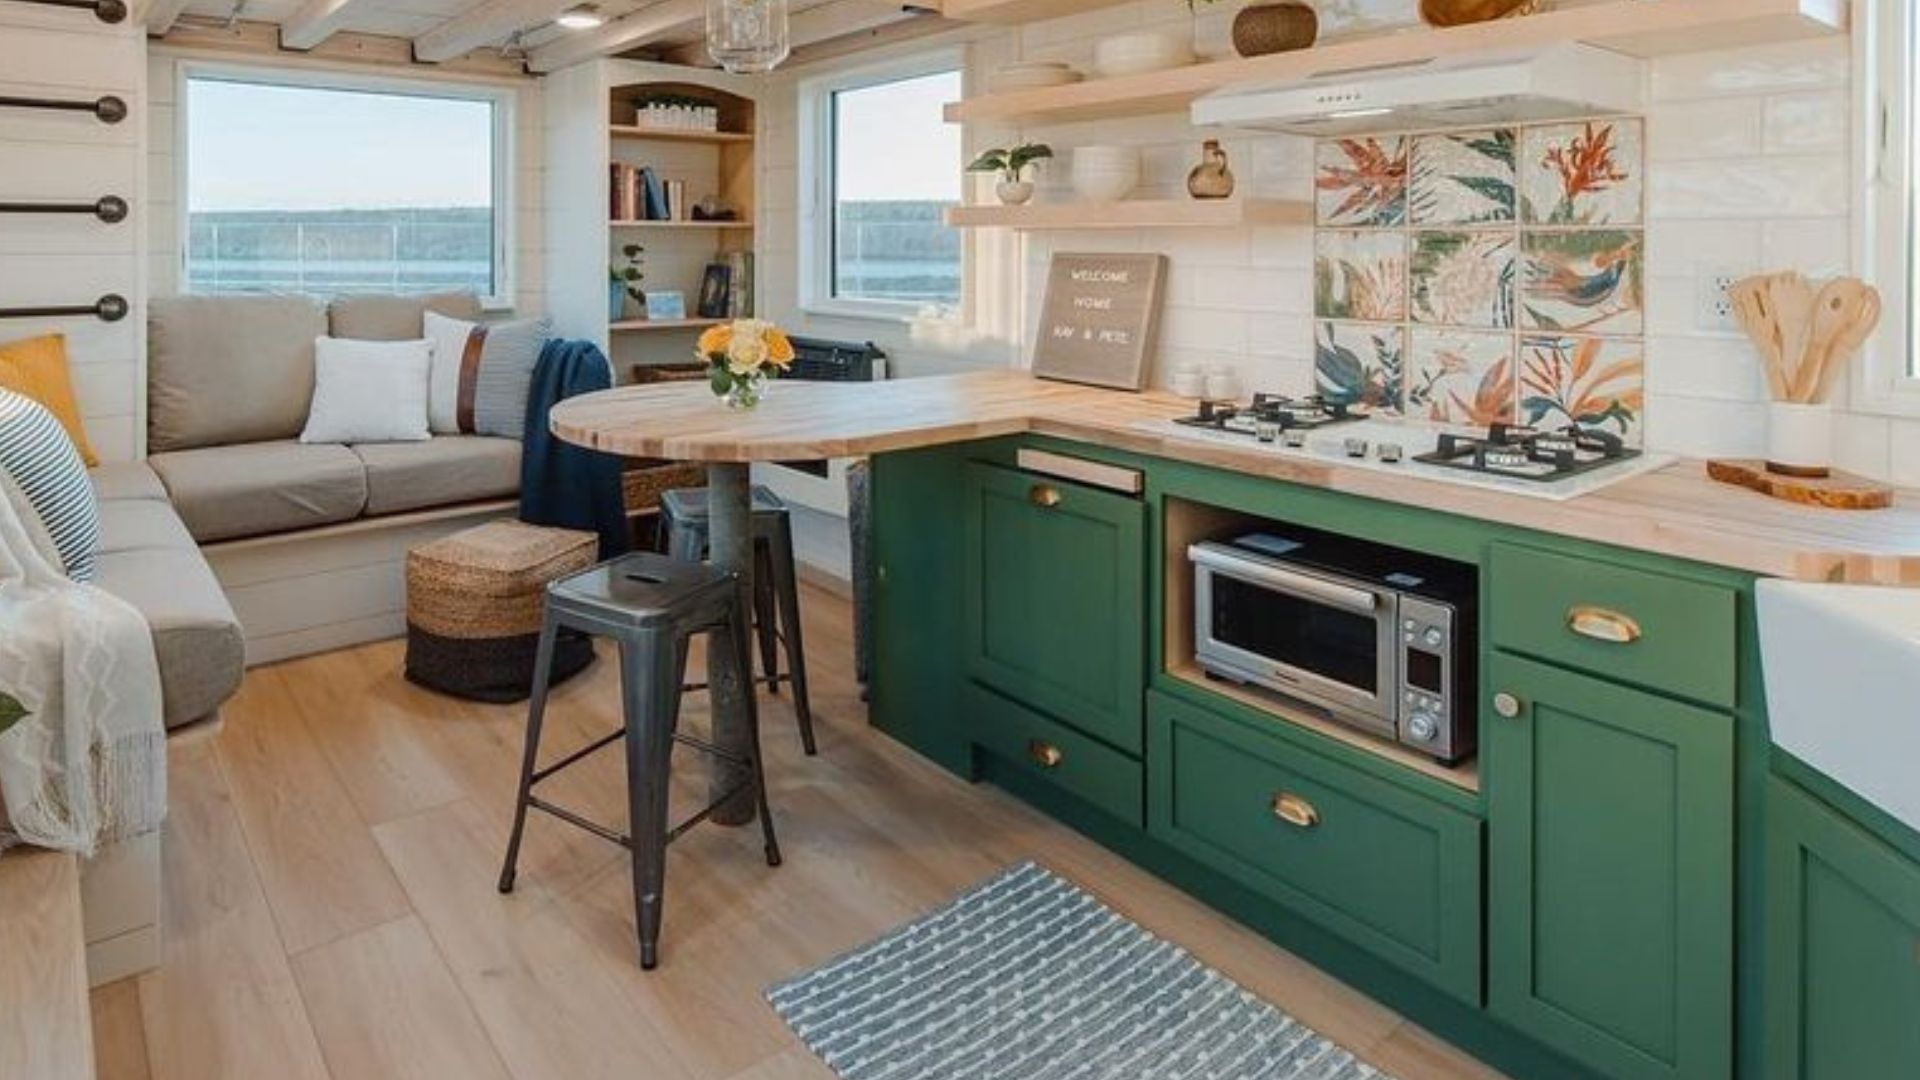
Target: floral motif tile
<point x="1595" y="382"/>
<point x="1360" y="364"/>
<point x="1360" y="275"/>
<point x="1583" y="281"/>
<point x="1463" y="278"/>
<point x="1461" y="377"/>
<point x="1361" y="182"/>
<point x="1582" y="174"/>
<point x="1463" y="178"/>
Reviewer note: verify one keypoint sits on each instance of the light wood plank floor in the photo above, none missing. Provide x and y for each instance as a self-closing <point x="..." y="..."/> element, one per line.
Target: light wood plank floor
<point x="330" y="906"/>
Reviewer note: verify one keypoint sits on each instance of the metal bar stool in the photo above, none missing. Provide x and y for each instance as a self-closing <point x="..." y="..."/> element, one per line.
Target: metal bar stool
<point x="776" y="593"/>
<point x="652" y="606"/>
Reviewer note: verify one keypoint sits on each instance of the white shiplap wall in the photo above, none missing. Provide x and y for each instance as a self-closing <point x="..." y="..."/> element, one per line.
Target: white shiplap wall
<point x="164" y="221"/>
<point x="65" y="259"/>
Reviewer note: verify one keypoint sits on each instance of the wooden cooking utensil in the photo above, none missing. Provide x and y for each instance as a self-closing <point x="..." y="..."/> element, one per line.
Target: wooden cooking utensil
<point x="1840" y="302"/>
<point x="1753" y="309"/>
<point x="1793" y="298"/>
<point x="1857" y="309"/>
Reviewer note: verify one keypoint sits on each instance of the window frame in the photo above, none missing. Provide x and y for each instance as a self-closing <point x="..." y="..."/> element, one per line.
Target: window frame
<point x="1886" y="243"/>
<point x="816" y="182"/>
<point x="504" y="100"/>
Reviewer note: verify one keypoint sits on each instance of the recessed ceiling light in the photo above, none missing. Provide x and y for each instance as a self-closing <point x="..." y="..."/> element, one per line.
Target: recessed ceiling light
<point x="580" y="17"/>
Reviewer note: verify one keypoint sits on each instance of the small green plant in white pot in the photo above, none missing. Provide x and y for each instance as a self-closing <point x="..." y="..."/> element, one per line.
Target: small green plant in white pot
<point x="1013" y="187"/>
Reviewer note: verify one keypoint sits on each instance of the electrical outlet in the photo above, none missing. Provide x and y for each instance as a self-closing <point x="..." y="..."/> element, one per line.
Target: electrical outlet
<point x="1714" y="307"/>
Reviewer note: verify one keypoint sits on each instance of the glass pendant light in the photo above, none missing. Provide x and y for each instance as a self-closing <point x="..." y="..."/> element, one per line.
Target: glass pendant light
<point x="747" y="36"/>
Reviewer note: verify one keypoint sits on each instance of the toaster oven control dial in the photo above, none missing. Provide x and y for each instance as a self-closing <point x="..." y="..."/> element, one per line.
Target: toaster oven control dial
<point x="1423" y="726"/>
<point x="1433" y="637"/>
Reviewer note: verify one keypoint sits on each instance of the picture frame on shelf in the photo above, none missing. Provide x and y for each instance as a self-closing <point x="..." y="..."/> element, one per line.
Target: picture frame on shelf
<point x="716" y="291"/>
<point x="666" y="304"/>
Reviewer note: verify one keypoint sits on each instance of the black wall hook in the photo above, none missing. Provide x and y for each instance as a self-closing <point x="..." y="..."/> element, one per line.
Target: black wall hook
<point x="110" y="308"/>
<point x="107" y="11"/>
<point x="110" y="109"/>
<point x="111" y="209"/>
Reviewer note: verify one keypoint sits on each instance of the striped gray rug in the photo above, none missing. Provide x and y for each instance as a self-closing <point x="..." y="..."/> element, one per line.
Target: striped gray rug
<point x="1027" y="977"/>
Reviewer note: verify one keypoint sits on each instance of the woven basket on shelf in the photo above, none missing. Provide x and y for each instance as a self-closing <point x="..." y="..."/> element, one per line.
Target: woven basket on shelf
<point x="644" y="482"/>
<point x="474" y="604"/>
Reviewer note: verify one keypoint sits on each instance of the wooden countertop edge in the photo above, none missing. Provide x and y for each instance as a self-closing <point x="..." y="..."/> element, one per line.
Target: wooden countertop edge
<point x="1677" y="511"/>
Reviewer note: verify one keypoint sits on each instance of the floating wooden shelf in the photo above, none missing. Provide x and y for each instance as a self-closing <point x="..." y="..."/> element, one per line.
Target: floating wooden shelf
<point x="628" y="131"/>
<point x="633" y="224"/>
<point x="1635" y="27"/>
<point x="1135" y="214"/>
<point x="634" y="326"/>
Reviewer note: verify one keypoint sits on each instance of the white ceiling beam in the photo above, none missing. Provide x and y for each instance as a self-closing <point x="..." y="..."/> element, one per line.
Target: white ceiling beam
<point x="823" y="22"/>
<point x="638" y="28"/>
<point x="314" y="22"/>
<point x="162" y="14"/>
<point x="490" y="22"/>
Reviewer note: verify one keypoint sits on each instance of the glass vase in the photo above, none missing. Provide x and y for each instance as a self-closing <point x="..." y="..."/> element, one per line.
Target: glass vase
<point x="747" y="36"/>
<point x="746" y="391"/>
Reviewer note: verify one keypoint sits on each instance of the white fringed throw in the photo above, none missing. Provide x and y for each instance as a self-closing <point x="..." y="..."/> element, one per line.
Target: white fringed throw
<point x="87" y="764"/>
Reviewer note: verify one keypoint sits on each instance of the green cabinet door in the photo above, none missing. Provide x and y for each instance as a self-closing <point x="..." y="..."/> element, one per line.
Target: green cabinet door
<point x="1055" y="599"/>
<point x="1609" y="872"/>
<point x="1843" y="947"/>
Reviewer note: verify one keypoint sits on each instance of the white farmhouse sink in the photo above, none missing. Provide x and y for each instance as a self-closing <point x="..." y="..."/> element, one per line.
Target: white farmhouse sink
<point x="1843" y="685"/>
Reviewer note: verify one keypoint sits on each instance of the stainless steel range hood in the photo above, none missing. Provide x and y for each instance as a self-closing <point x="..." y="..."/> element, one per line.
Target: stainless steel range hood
<point x="1510" y="86"/>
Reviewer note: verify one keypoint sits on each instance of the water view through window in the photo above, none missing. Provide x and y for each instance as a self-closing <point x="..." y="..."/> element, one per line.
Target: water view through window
<point x="325" y="190"/>
<point x="896" y="167"/>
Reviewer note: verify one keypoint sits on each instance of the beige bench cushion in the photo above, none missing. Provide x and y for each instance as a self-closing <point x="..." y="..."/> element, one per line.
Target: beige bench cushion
<point x="196" y="636"/>
<point x="132" y="524"/>
<point x="116" y="480"/>
<point x="443" y="471"/>
<point x="226" y="492"/>
<point x="229" y="369"/>
<point x="396" y="318"/>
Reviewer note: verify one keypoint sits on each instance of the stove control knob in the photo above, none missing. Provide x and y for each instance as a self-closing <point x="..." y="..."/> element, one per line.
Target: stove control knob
<point x="1357" y="448"/>
<point x="1433" y="637"/>
<point x="1391" y="453"/>
<point x="1424" y="727"/>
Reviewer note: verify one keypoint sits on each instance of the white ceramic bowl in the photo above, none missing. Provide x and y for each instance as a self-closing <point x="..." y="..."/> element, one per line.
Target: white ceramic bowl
<point x="1033" y="74"/>
<point x="1105" y="173"/>
<point x="1135" y="54"/>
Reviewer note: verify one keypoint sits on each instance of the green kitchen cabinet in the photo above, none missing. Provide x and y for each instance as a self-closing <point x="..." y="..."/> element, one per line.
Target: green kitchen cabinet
<point x="1610" y="876"/>
<point x="1054" y="592"/>
<point x="1843" y="947"/>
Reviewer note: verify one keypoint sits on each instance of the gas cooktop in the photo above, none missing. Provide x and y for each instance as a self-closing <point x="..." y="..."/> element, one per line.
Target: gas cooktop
<point x="1529" y="454"/>
<point x="1269" y="417"/>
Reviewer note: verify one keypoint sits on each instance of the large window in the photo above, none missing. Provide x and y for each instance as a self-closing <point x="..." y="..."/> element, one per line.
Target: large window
<point x="883" y="165"/>
<point x="343" y="187"/>
<point x="1888" y="59"/>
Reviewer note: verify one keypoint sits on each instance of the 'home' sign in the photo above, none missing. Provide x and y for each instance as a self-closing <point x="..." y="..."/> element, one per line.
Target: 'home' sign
<point x="1100" y="319"/>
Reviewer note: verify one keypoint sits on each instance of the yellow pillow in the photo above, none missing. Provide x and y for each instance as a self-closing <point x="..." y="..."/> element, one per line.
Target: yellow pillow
<point x="37" y="368"/>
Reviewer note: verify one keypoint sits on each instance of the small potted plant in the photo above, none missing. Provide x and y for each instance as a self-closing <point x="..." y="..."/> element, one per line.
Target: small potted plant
<point x="1013" y="187"/>
<point x="624" y="281"/>
<point x="740" y="357"/>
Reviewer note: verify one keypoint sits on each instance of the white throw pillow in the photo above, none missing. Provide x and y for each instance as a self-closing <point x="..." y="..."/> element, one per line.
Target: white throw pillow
<point x="369" y="391"/>
<point x="449" y="338"/>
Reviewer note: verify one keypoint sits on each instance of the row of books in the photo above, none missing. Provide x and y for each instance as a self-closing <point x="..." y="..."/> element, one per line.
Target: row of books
<point x="636" y="193"/>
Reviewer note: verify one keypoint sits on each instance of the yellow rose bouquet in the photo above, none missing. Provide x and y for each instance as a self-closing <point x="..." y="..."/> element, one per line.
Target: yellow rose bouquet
<point x="741" y="356"/>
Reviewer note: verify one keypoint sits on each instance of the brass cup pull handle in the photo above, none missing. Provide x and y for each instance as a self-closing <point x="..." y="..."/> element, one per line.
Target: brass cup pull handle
<point x="1045" y="754"/>
<point x="1601" y="624"/>
<point x="1295" y="810"/>
<point x="1508" y="706"/>
<point x="1045" y="496"/>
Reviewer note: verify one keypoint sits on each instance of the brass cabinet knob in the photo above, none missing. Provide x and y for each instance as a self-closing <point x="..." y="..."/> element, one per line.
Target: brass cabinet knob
<point x="1601" y="624"/>
<point x="1045" y="754"/>
<point x="1295" y="810"/>
<point x="1045" y="496"/>
<point x="1507" y="705"/>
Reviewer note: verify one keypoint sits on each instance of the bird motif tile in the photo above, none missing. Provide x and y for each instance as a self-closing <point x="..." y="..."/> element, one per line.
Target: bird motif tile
<point x="1583" y="174"/>
<point x="1360" y="364"/>
<point x="1463" y="278"/>
<point x="1463" y="178"/>
<point x="1463" y="377"/>
<point x="1595" y="382"/>
<point x="1583" y="281"/>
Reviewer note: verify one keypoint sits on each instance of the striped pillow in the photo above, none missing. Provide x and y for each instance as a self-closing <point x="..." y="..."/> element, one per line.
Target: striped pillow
<point x="481" y="374"/>
<point x="36" y="451"/>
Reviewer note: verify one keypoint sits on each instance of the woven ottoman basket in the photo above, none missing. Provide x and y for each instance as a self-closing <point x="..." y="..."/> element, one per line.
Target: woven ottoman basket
<point x="474" y="602"/>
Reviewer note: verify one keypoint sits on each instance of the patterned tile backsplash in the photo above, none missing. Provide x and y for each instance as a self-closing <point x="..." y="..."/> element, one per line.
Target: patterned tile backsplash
<point x="1470" y="277"/>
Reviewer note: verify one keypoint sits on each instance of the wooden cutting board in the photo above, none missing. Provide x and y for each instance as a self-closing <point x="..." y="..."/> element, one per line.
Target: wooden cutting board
<point x="1836" y="491"/>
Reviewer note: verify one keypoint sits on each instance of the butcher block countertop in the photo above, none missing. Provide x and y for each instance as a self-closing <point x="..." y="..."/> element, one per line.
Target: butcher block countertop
<point x="1675" y="511"/>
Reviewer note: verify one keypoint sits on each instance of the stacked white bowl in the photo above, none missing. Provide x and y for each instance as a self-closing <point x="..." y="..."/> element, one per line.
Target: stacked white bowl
<point x="1138" y="53"/>
<point x="1105" y="173"/>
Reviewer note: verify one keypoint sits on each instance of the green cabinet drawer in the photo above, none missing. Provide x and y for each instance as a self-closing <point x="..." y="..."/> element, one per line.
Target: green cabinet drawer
<point x="1393" y="872"/>
<point x="1055" y="584"/>
<point x="1610" y="835"/>
<point x="1654" y="630"/>
<point x="1057" y="754"/>
<point x="1843" y="947"/>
